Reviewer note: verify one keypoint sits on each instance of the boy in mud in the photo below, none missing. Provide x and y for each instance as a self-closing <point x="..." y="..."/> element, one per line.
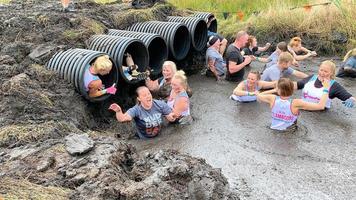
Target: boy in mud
<point x="148" y="114"/>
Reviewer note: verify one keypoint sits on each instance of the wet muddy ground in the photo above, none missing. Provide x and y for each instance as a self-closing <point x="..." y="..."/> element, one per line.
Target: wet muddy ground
<point x="317" y="161"/>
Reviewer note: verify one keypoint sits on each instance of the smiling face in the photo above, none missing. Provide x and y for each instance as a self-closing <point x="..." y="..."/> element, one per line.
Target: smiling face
<point x="104" y="72"/>
<point x="252" y="78"/>
<point x="167" y="72"/>
<point x="325" y="72"/>
<point x="145" y="97"/>
<point x="177" y="85"/>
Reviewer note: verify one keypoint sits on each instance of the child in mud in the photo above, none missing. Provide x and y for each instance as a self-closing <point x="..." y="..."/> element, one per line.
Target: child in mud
<point x="147" y="114"/>
<point x="298" y="51"/>
<point x="178" y="100"/>
<point x="285" y="110"/>
<point x="247" y="90"/>
<point x="349" y="67"/>
<point x="92" y="83"/>
<point x="252" y="48"/>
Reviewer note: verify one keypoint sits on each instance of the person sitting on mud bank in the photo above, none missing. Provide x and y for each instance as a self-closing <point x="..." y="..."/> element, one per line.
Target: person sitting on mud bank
<point x="214" y="60"/>
<point x="162" y="86"/>
<point x="179" y="100"/>
<point x="273" y="58"/>
<point x="282" y="68"/>
<point x="285" y="110"/>
<point x="349" y="67"/>
<point x="223" y="41"/>
<point x="148" y="113"/>
<point x="312" y="87"/>
<point x="235" y="62"/>
<point x="252" y="48"/>
<point x="92" y="83"/>
<point x="298" y="51"/>
<point x="247" y="90"/>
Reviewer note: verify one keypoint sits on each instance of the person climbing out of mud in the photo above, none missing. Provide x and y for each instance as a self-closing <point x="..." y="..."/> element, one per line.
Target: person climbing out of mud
<point x="298" y="51"/>
<point x="273" y="58"/>
<point x="223" y="41"/>
<point x="147" y="114"/>
<point x="251" y="47"/>
<point x="130" y="71"/>
<point x="247" y="90"/>
<point x="92" y="83"/>
<point x="214" y="60"/>
<point x="349" y="67"/>
<point x="178" y="100"/>
<point x="282" y="68"/>
<point x="285" y="110"/>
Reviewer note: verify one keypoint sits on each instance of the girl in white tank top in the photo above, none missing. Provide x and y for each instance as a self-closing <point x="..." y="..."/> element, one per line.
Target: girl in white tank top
<point x="285" y="111"/>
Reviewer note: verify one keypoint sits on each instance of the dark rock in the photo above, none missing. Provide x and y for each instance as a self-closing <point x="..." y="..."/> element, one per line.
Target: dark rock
<point x="7" y="60"/>
<point x="78" y="144"/>
<point x="42" y="53"/>
<point x="17" y="50"/>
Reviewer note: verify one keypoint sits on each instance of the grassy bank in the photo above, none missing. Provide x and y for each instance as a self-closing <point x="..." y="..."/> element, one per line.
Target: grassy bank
<point x="329" y="29"/>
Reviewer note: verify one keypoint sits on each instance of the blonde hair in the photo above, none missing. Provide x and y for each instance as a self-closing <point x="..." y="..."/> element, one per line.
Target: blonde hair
<point x="285" y="57"/>
<point x="295" y="41"/>
<point x="352" y="52"/>
<point x="172" y="65"/>
<point x="102" y="63"/>
<point x="332" y="67"/>
<point x="257" y="73"/>
<point x="180" y="75"/>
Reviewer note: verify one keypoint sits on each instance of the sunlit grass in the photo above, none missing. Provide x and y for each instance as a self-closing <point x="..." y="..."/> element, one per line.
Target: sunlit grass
<point x="4" y="1"/>
<point x="105" y="1"/>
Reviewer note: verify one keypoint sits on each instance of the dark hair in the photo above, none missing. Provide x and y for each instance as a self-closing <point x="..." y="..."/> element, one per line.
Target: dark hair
<point x="285" y="87"/>
<point x="282" y="46"/>
<point x="250" y="40"/>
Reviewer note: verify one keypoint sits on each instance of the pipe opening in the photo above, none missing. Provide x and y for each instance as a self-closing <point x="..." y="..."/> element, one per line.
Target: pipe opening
<point x="158" y="53"/>
<point x="181" y="43"/>
<point x="213" y="26"/>
<point x="200" y="35"/>
<point x="138" y="52"/>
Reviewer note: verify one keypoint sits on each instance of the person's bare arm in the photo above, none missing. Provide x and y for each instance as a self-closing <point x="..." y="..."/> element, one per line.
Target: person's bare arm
<point x="267" y="98"/>
<point x="152" y="85"/>
<point x="265" y="47"/>
<point x="300" y="74"/>
<point x="267" y="84"/>
<point x="233" y="67"/>
<point x="180" y="106"/>
<point x="211" y="63"/>
<point x="121" y="117"/>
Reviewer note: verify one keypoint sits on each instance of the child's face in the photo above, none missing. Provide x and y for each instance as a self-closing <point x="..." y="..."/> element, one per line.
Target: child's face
<point x="104" y="72"/>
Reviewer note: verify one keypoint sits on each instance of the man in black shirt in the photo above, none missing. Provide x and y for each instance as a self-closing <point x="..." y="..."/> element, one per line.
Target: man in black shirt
<point x="235" y="62"/>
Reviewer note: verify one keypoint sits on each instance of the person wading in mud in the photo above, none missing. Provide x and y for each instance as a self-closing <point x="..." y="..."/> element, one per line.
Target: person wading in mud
<point x="147" y="114"/>
<point x="285" y="110"/>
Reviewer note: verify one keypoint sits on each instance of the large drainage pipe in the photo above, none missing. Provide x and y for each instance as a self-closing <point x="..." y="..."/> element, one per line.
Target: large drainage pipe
<point x="206" y="16"/>
<point x="156" y="46"/>
<point x="197" y="28"/>
<point x="116" y="47"/>
<point x="176" y="35"/>
<point x="71" y="65"/>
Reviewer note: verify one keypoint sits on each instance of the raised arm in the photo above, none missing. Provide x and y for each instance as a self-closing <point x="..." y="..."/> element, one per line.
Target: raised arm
<point x="265" y="47"/>
<point x="233" y="67"/>
<point x="121" y="117"/>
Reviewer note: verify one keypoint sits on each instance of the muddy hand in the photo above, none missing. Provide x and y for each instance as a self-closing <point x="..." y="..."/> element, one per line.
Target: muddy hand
<point x="115" y="107"/>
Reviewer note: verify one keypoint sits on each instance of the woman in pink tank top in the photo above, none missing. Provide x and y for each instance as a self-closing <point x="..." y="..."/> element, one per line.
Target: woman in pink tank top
<point x="285" y="110"/>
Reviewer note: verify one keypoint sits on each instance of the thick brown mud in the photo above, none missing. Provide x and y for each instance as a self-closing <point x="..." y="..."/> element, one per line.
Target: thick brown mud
<point x="314" y="162"/>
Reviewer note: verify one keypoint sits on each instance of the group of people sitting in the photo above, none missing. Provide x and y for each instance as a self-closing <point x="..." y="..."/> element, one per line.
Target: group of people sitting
<point x="317" y="90"/>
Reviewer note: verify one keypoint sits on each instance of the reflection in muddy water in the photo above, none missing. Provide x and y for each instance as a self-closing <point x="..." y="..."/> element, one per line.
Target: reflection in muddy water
<point x="316" y="161"/>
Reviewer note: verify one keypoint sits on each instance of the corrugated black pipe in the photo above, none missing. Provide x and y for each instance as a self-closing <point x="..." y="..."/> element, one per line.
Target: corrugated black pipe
<point x="176" y="35"/>
<point x="156" y="46"/>
<point x="205" y="16"/>
<point x="117" y="46"/>
<point x="71" y="65"/>
<point x="197" y="28"/>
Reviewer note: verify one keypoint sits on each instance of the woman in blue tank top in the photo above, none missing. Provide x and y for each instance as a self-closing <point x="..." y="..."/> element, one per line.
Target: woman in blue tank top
<point x="285" y="110"/>
<point x="246" y="90"/>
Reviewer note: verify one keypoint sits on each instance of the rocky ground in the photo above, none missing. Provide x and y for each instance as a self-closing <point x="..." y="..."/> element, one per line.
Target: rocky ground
<point x="42" y="116"/>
